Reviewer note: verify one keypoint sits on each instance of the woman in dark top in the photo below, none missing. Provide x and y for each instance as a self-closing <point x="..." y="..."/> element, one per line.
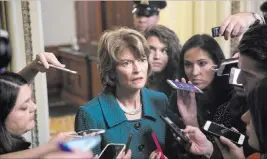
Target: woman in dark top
<point x="165" y="49"/>
<point x="219" y="101"/>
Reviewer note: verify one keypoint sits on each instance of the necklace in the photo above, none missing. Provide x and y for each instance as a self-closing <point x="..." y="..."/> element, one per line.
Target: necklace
<point x="129" y="111"/>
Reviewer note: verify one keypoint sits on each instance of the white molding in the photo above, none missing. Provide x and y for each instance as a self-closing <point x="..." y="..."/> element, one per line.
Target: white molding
<point x="15" y="27"/>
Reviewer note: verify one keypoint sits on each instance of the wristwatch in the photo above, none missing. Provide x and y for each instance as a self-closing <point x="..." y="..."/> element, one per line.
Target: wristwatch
<point x="258" y="19"/>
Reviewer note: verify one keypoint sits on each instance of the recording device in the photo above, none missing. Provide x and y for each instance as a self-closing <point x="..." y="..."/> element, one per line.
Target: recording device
<point x="233" y="76"/>
<point x="215" y="31"/>
<point x="184" y="86"/>
<point x="178" y="132"/>
<point x="226" y="65"/>
<point x="82" y="144"/>
<point x="156" y="141"/>
<point x="219" y="130"/>
<point x="89" y="131"/>
<point x="112" y="151"/>
<point x="128" y="142"/>
<point x="5" y="49"/>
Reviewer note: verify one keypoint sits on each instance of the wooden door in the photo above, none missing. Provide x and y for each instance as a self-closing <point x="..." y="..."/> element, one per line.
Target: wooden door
<point x="117" y="13"/>
<point x="88" y="24"/>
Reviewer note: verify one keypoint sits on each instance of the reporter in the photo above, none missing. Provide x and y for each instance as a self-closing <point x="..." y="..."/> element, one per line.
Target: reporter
<point x="256" y="126"/>
<point x="17" y="111"/>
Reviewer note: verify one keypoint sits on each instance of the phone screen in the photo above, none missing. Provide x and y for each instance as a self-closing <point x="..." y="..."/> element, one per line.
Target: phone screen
<point x="226" y="132"/>
<point x="184" y="86"/>
<point x="233" y="76"/>
<point x="111" y="151"/>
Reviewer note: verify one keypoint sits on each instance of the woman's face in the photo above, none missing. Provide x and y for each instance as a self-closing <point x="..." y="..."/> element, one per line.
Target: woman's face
<point x="253" y="140"/>
<point x="131" y="72"/>
<point x="158" y="57"/>
<point x="21" y="118"/>
<point x="197" y="67"/>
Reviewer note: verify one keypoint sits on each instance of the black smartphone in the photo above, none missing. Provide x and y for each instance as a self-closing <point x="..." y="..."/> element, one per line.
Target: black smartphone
<point x="128" y="142"/>
<point x="178" y="132"/>
<point x="219" y="130"/>
<point x="226" y="65"/>
<point x="215" y="31"/>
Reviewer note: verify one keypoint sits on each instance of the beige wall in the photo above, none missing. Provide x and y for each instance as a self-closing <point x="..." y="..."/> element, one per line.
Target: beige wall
<point x="187" y="18"/>
<point x="58" y="21"/>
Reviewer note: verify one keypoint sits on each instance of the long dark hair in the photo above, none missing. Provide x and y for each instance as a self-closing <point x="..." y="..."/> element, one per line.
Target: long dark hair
<point x="257" y="103"/>
<point x="219" y="91"/>
<point x="9" y="87"/>
<point x="172" y="42"/>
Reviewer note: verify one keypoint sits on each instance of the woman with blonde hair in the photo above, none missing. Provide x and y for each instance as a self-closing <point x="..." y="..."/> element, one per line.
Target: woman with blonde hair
<point x="125" y="106"/>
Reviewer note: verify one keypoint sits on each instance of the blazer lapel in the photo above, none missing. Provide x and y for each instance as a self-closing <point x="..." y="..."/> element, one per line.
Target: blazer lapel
<point x="111" y="109"/>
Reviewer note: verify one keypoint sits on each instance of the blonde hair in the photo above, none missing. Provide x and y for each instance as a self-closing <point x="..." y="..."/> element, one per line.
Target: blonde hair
<point x="111" y="44"/>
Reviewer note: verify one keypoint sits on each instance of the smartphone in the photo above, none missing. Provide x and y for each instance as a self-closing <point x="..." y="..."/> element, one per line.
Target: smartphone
<point x="226" y="65"/>
<point x="185" y="141"/>
<point x="98" y="131"/>
<point x="233" y="76"/>
<point x="184" y="86"/>
<point x="82" y="144"/>
<point x="112" y="151"/>
<point x="215" y="31"/>
<point x="219" y="130"/>
<point x="155" y="139"/>
<point x="128" y="142"/>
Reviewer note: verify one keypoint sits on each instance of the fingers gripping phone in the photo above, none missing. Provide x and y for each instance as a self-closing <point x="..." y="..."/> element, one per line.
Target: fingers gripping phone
<point x="82" y="144"/>
<point x="184" y="86"/>
<point x="112" y="151"/>
<point x="178" y="132"/>
<point x="219" y="130"/>
<point x="233" y="76"/>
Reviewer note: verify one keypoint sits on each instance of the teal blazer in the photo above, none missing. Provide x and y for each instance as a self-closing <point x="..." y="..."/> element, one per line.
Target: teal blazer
<point x="103" y="112"/>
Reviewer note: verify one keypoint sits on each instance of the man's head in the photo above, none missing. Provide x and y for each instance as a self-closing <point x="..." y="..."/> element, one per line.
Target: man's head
<point x="146" y="13"/>
<point x="253" y="57"/>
